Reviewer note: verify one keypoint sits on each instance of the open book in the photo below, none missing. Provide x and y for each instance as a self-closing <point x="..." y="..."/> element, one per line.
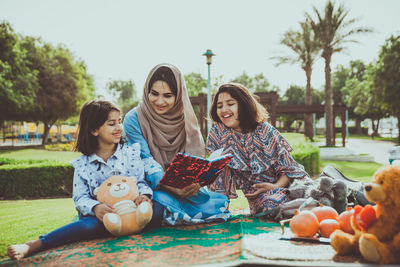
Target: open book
<point x="185" y="169"/>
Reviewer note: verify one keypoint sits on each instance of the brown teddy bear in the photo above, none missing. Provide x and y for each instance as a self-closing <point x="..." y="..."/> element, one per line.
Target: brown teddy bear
<point x="121" y="192"/>
<point x="377" y="230"/>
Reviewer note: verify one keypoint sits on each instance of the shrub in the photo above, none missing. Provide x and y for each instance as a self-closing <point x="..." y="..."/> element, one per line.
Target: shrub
<point x="7" y="161"/>
<point x="307" y="155"/>
<point x="35" y="179"/>
<point x="60" y="147"/>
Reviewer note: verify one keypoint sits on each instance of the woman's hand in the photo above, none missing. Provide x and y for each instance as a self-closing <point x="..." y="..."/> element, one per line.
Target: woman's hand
<point x="142" y="198"/>
<point x="101" y="209"/>
<point x="261" y="188"/>
<point x="185" y="192"/>
<point x="283" y="181"/>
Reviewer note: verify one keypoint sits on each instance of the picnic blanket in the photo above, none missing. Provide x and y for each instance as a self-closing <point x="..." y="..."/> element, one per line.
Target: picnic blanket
<point x="241" y="240"/>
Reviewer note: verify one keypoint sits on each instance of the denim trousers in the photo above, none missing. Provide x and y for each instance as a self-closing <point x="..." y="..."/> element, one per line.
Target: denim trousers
<point x="89" y="227"/>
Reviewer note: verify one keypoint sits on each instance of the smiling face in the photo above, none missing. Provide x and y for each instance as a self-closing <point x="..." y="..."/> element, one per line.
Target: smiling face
<point x="161" y="97"/>
<point x="111" y="131"/>
<point x="228" y="111"/>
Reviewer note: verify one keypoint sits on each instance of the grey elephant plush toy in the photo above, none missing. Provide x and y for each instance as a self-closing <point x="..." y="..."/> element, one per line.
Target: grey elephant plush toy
<point x="326" y="190"/>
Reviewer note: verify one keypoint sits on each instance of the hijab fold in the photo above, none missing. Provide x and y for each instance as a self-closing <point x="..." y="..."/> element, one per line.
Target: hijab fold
<point x="175" y="131"/>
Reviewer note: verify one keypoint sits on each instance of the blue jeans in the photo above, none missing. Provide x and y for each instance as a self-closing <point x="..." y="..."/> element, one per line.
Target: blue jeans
<point x="89" y="227"/>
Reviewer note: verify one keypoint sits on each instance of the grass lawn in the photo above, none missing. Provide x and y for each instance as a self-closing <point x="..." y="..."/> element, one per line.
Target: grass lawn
<point x="294" y="138"/>
<point x="378" y="138"/>
<point x="359" y="171"/>
<point x="23" y="220"/>
<point x="320" y="137"/>
<point x="240" y="202"/>
<point x="39" y="154"/>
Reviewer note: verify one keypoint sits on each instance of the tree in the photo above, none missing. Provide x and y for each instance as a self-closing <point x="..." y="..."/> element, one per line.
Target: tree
<point x="18" y="83"/>
<point x="341" y="93"/>
<point x="332" y="30"/>
<point x="303" y="44"/>
<point x="125" y="93"/>
<point x="216" y="82"/>
<point x="63" y="84"/>
<point x="38" y="81"/>
<point x="261" y="83"/>
<point x="195" y="83"/>
<point x="356" y="70"/>
<point x="387" y="76"/>
<point x="364" y="98"/>
<point x="295" y="95"/>
<point x="258" y="83"/>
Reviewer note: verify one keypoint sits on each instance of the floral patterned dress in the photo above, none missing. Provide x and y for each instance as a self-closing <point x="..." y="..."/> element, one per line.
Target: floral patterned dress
<point x="260" y="156"/>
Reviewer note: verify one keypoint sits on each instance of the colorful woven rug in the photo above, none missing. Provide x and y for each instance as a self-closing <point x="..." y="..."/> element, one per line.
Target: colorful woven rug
<point x="242" y="240"/>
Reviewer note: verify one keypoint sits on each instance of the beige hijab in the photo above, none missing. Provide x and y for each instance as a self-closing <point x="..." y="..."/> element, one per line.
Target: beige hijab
<point x="175" y="131"/>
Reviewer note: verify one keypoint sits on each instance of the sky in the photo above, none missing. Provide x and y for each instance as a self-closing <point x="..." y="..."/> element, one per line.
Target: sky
<point x="123" y="40"/>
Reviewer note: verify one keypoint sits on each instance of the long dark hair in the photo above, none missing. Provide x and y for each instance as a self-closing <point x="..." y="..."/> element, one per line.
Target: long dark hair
<point x="164" y="74"/>
<point x="251" y="112"/>
<point x="93" y="115"/>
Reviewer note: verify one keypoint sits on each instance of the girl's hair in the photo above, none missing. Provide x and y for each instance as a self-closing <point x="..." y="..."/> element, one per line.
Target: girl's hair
<point x="93" y="115"/>
<point x="164" y="74"/>
<point x="251" y="112"/>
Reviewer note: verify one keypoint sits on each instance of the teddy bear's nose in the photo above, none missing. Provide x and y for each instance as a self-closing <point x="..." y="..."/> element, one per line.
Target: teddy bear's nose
<point x="367" y="188"/>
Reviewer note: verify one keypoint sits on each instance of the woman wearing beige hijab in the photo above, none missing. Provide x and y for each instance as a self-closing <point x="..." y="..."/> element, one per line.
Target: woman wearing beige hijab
<point x="164" y="123"/>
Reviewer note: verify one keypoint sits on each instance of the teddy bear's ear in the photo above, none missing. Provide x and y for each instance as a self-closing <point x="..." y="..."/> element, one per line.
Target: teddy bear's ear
<point x="96" y="191"/>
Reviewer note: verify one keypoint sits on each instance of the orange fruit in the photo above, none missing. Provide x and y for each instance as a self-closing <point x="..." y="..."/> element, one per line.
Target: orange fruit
<point x="304" y="224"/>
<point x="325" y="212"/>
<point x="344" y="220"/>
<point x="327" y="226"/>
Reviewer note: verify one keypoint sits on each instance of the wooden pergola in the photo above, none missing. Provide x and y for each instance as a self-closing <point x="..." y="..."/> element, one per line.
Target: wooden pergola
<point x="270" y="100"/>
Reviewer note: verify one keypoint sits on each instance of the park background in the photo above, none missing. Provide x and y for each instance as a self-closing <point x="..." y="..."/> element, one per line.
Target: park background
<point x="55" y="55"/>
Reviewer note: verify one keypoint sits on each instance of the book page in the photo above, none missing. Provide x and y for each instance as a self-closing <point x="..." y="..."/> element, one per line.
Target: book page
<point x="216" y="154"/>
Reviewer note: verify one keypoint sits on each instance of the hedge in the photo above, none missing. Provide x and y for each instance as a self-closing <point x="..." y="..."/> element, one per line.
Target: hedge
<point x="34" y="179"/>
<point x="42" y="178"/>
<point x="307" y="155"/>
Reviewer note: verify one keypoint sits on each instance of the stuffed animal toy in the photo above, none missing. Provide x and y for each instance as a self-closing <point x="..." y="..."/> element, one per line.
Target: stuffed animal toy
<point x="355" y="195"/>
<point x="322" y="190"/>
<point x="121" y="192"/>
<point x="326" y="190"/>
<point x="377" y="228"/>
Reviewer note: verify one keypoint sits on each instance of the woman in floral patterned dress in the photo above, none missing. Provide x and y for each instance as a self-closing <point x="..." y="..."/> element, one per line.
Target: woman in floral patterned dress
<point x="261" y="166"/>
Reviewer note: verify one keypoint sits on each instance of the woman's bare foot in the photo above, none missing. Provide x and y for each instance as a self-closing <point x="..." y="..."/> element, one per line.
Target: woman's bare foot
<point x="19" y="251"/>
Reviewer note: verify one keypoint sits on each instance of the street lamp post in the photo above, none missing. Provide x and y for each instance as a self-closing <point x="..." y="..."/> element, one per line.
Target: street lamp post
<point x="209" y="54"/>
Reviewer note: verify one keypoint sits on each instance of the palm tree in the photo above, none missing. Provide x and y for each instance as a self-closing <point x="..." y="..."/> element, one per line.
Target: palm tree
<point x="302" y="43"/>
<point x="332" y="30"/>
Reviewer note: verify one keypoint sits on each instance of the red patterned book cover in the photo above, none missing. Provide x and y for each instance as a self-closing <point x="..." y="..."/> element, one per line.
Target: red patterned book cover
<point x="186" y="170"/>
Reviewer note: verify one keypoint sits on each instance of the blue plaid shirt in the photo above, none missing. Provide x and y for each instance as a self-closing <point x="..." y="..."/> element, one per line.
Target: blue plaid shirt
<point x="91" y="171"/>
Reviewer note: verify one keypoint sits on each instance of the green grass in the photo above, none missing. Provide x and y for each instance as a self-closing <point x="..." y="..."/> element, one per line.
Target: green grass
<point x="359" y="171"/>
<point x="39" y="154"/>
<point x="378" y="138"/>
<point x="23" y="220"/>
<point x="359" y="136"/>
<point x="240" y="202"/>
<point x="294" y="138"/>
